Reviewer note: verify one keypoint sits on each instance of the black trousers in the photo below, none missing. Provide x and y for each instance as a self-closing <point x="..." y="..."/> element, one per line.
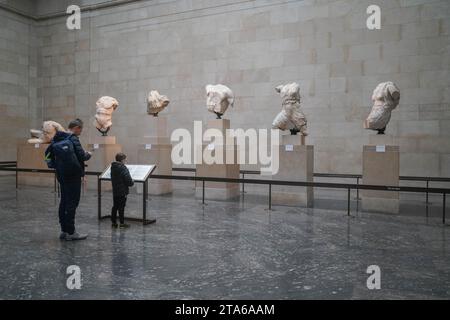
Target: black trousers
<point x="119" y="203"/>
<point x="70" y="198"/>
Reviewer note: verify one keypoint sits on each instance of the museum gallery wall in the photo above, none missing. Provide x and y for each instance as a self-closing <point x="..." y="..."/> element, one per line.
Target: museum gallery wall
<point x="253" y="48"/>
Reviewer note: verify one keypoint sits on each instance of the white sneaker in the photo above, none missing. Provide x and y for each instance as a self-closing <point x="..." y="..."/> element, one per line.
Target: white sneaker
<point x="76" y="236"/>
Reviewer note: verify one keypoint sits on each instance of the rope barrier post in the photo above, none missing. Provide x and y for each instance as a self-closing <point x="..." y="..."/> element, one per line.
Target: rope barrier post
<point x="99" y="198"/>
<point x="348" y="201"/>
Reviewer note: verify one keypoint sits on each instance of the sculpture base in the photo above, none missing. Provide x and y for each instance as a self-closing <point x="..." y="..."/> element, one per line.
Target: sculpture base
<point x="104" y="150"/>
<point x="296" y="163"/>
<point x="381" y="166"/>
<point x="31" y="156"/>
<point x="154" y="127"/>
<point x="219" y="190"/>
<point x="159" y="154"/>
<point x="296" y="140"/>
<point x="225" y="169"/>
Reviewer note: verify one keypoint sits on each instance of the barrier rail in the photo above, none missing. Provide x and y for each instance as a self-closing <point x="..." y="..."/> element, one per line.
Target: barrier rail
<point x="343" y="176"/>
<point x="270" y="183"/>
<point x="349" y="187"/>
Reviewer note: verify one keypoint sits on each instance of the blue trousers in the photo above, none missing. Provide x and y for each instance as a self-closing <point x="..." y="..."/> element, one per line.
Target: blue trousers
<point x="70" y="198"/>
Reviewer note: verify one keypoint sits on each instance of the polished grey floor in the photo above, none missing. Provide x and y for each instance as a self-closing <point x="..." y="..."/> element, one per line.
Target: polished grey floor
<point x="224" y="250"/>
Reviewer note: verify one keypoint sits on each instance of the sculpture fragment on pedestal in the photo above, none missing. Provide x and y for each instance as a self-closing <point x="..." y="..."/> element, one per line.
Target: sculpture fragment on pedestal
<point x="156" y="103"/>
<point x="290" y="117"/>
<point x="49" y="129"/>
<point x="218" y="98"/>
<point x="105" y="106"/>
<point x="386" y="98"/>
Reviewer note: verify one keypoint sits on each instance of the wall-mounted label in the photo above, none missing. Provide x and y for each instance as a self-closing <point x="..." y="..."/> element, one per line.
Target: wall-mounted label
<point x="37" y="145"/>
<point x="289" y="147"/>
<point x="148" y="146"/>
<point x="95" y="146"/>
<point x="211" y="146"/>
<point x="380" y="148"/>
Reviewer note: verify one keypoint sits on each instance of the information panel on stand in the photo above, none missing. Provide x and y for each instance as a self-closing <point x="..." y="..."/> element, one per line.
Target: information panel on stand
<point x="138" y="172"/>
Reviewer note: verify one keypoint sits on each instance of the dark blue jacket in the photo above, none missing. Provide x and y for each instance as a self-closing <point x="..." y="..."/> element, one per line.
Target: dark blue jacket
<point x="80" y="154"/>
<point x="121" y="179"/>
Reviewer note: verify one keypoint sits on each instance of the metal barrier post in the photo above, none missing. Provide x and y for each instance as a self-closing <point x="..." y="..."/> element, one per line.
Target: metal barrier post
<point x="270" y="196"/>
<point x="427" y="194"/>
<point x="243" y="183"/>
<point x="99" y="197"/>
<point x="348" y="202"/>
<point x="357" y="190"/>
<point x="443" y="207"/>
<point x="203" y="191"/>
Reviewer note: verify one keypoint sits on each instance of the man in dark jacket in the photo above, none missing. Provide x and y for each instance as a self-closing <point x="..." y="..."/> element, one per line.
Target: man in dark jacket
<point x="76" y="127"/>
<point x="69" y="172"/>
<point x="121" y="181"/>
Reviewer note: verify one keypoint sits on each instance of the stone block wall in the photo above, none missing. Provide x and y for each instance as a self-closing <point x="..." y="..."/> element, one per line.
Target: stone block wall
<point x="177" y="47"/>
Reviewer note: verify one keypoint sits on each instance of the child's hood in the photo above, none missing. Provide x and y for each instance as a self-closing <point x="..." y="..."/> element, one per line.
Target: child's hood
<point x="117" y="164"/>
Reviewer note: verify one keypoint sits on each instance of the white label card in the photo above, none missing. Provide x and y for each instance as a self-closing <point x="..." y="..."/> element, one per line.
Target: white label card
<point x="289" y="147"/>
<point x="36" y="145"/>
<point x="211" y="146"/>
<point x="380" y="148"/>
<point x="148" y="146"/>
<point x="96" y="146"/>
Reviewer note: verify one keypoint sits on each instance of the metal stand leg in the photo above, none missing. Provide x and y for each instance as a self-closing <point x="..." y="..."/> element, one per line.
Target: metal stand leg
<point x="243" y="184"/>
<point x="144" y="203"/>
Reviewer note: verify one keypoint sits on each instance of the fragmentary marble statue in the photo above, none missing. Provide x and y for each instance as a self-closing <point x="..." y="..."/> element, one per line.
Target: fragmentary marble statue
<point x="49" y="129"/>
<point x="290" y="117"/>
<point x="105" y="107"/>
<point x="218" y="98"/>
<point x="386" y="98"/>
<point x="156" y="103"/>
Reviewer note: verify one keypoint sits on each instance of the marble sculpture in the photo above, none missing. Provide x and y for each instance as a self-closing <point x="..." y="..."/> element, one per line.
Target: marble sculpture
<point x="156" y="103"/>
<point x="49" y="129"/>
<point x="105" y="107"/>
<point x="290" y="117"/>
<point x="386" y="98"/>
<point x="218" y="98"/>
